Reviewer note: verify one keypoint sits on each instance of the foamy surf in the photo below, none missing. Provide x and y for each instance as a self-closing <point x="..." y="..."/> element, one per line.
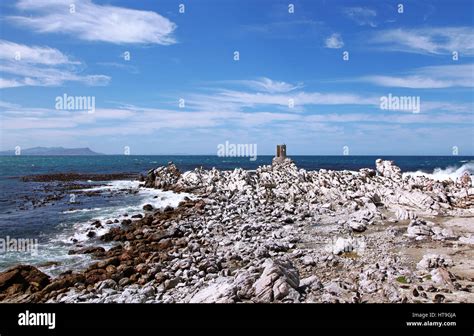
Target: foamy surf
<point x="116" y="186"/>
<point x="159" y="199"/>
<point x="449" y="173"/>
<point x="74" y="233"/>
<point x="81" y="210"/>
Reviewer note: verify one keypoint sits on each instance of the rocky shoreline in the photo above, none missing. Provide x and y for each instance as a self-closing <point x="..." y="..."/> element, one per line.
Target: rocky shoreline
<point x="278" y="234"/>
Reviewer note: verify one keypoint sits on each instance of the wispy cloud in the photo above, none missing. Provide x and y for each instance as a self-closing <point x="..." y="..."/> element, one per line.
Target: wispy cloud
<point x="435" y="41"/>
<point x="40" y="66"/>
<point x="432" y="77"/>
<point x="32" y="55"/>
<point x="140" y="120"/>
<point x="292" y="102"/>
<point x="265" y="92"/>
<point x="223" y="109"/>
<point x="408" y="118"/>
<point x="10" y="83"/>
<point x="300" y="98"/>
<point x="93" y="22"/>
<point x="265" y="84"/>
<point x="257" y="98"/>
<point x="219" y="108"/>
<point x="32" y="75"/>
<point x="448" y="107"/>
<point x="361" y="15"/>
<point x="334" y="41"/>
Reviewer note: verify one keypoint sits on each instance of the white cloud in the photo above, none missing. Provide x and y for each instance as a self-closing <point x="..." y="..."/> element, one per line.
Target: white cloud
<point x="413" y="82"/>
<point x="253" y="99"/>
<point x="334" y="41"/>
<point x="139" y="120"/>
<point x="33" y="55"/>
<point x="94" y="22"/>
<point x="40" y="66"/>
<point x="407" y="118"/>
<point x="224" y="109"/>
<point x="437" y="41"/>
<point x="267" y="85"/>
<point x="9" y="83"/>
<point x="432" y="77"/>
<point x="7" y="105"/>
<point x="266" y="92"/>
<point x="447" y="106"/>
<point x="362" y="16"/>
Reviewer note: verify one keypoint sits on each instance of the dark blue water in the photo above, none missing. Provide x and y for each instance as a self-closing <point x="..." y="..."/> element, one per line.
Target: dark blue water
<point x="55" y="222"/>
<point x="14" y="166"/>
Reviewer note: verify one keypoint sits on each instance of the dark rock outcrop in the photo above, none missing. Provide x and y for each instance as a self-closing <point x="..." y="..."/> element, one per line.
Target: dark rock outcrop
<point x="21" y="280"/>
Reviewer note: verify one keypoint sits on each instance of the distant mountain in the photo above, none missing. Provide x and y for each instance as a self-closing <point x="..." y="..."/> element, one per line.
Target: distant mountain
<point x="52" y="151"/>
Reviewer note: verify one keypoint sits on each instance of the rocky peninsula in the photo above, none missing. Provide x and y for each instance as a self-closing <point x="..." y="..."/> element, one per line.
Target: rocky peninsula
<point x="278" y="234"/>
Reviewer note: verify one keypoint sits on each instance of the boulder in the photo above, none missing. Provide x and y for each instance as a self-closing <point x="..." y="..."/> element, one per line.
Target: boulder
<point x="148" y="207"/>
<point x="219" y="291"/>
<point x="430" y="261"/>
<point x="22" y="279"/>
<point x="418" y="228"/>
<point x="387" y="168"/>
<point x="358" y="226"/>
<point x="88" y="250"/>
<point x="276" y="281"/>
<point x="163" y="177"/>
<point x="342" y="245"/>
<point x="441" y="277"/>
<point x="311" y="282"/>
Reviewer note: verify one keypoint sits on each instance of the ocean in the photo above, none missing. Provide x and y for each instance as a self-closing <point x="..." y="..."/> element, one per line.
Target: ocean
<point x="59" y="216"/>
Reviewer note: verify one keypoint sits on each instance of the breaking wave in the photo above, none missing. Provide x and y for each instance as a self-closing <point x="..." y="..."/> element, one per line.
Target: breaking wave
<point x="442" y="174"/>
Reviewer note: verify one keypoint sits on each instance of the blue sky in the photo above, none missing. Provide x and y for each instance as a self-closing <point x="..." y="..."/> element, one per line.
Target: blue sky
<point x="284" y="57"/>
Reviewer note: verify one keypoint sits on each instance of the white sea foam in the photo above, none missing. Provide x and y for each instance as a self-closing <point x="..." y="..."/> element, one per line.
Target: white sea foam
<point x="159" y="199"/>
<point x="440" y="174"/>
<point x="115" y="186"/>
<point x="75" y="232"/>
<point x="81" y="210"/>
